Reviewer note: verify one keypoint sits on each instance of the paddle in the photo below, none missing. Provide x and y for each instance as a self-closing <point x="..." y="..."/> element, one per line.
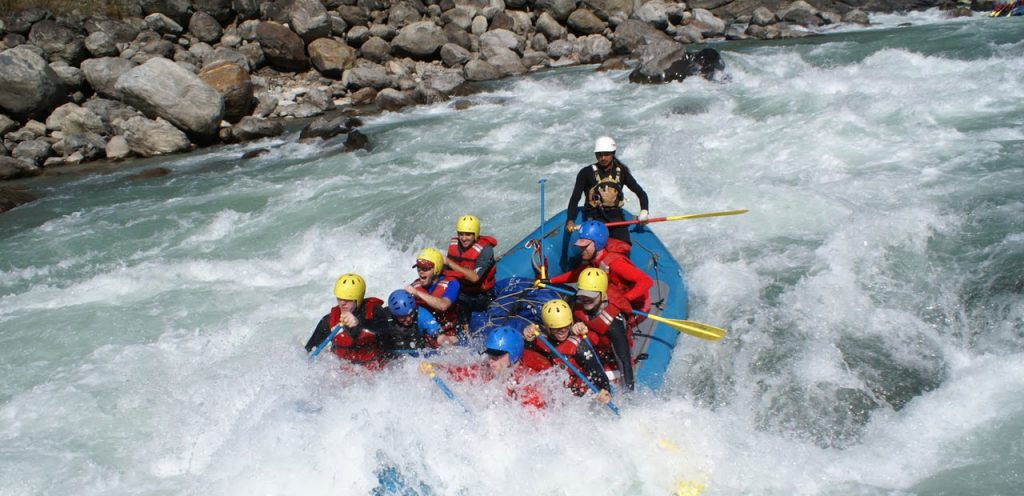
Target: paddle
<point x="677" y="217"/>
<point x="324" y="343"/>
<point x="695" y="329"/>
<point x="444" y="387"/>
<point x="574" y="370"/>
<point x="540" y="242"/>
<point x="590" y="346"/>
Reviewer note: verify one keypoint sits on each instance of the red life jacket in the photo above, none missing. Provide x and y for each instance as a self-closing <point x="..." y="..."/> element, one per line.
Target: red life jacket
<point x="467" y="259"/>
<point x="600" y="322"/>
<point x="448" y="318"/>
<point x="358" y="345"/>
<point x="519" y="385"/>
<point x="568" y="349"/>
<point x="616" y="253"/>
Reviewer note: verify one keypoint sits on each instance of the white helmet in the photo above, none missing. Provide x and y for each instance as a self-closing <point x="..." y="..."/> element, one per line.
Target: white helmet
<point x="604" y="144"/>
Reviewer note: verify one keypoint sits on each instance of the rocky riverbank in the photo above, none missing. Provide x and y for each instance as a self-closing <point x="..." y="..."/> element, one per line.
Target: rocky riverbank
<point x="171" y="75"/>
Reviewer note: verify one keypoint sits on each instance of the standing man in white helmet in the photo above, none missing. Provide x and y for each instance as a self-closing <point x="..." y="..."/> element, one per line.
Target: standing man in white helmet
<point x="602" y="182"/>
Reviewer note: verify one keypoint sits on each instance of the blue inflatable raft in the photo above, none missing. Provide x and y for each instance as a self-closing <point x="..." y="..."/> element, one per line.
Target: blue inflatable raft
<point x="517" y="304"/>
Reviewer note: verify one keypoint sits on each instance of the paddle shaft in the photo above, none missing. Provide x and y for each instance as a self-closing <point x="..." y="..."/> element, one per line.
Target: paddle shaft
<point x="447" y="391"/>
<point x="322" y="345"/>
<point x="540" y="242"/>
<point x="676" y="217"/>
<point x="574" y="370"/>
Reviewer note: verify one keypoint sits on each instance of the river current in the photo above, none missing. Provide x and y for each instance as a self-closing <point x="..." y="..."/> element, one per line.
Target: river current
<point x="151" y="330"/>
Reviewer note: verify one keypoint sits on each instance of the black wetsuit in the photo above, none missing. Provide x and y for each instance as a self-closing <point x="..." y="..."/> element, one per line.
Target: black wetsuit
<point x="396" y="339"/>
<point x="585" y="180"/>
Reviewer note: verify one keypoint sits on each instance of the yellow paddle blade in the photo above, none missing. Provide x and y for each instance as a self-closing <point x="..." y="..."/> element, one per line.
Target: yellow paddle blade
<point x="708" y="214"/>
<point x="695" y="329"/>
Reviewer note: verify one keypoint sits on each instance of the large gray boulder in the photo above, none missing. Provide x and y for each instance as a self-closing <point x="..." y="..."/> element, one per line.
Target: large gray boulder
<point x="250" y="128"/>
<point x="32" y="151"/>
<point x="390" y="99"/>
<point x="403" y="13"/>
<point x="28" y="85"/>
<point x="308" y="18"/>
<point x="366" y="75"/>
<point x="708" y="23"/>
<point x="419" y="40"/>
<point x="664" y="62"/>
<point x="654" y="13"/>
<point x="246" y="9"/>
<point x="354" y="15"/>
<point x="504" y="60"/>
<point x="6" y="125"/>
<point x="162" y="88"/>
<point x="117" y="148"/>
<point x="443" y="81"/>
<point x="613" y="11"/>
<point x="12" y="168"/>
<point x="102" y="74"/>
<point x="21" y="22"/>
<point x="149" y="138"/>
<point x="101" y="44"/>
<point x="632" y="35"/>
<point x="558" y="9"/>
<point x="218" y="9"/>
<point x="454" y="55"/>
<point x="375" y="49"/>
<point x="549" y="27"/>
<point x="87" y="145"/>
<point x="461" y="16"/>
<point x="162" y="24"/>
<point x="331" y="56"/>
<point x="480" y="70"/>
<point x="284" y="49"/>
<point x="593" y="49"/>
<point x="178" y="10"/>
<point x="110" y="111"/>
<point x="72" y="78"/>
<point x="58" y="42"/>
<point x="502" y="38"/>
<point x="119" y="31"/>
<point x="584" y="21"/>
<point x="70" y="118"/>
<point x="205" y="27"/>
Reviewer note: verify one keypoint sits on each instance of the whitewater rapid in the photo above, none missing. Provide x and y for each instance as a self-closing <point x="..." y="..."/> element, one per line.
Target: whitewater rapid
<point x="151" y="331"/>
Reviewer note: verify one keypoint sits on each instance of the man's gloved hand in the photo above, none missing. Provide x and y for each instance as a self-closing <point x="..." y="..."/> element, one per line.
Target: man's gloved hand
<point x="642" y="217"/>
<point x="570" y="226"/>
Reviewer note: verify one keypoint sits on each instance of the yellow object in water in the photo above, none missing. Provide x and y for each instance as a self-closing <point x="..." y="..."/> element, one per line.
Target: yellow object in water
<point x="688" y="488"/>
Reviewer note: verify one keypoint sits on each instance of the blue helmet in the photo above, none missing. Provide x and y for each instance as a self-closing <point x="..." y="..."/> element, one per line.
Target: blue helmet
<point x="596" y="232"/>
<point x="506" y="339"/>
<point x="401" y="303"/>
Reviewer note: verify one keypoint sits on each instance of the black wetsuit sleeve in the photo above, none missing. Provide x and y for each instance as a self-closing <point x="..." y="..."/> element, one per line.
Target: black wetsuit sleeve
<point x="577" y="193"/>
<point x="620" y="349"/>
<point x="382" y="327"/>
<point x="321" y="332"/>
<point x="630" y="182"/>
<point x="591" y="367"/>
<point x="484" y="261"/>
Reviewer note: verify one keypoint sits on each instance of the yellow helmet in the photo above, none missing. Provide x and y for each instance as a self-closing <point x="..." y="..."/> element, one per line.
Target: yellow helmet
<point x="468" y="223"/>
<point x="593" y="279"/>
<point x="433" y="256"/>
<point x="350" y="287"/>
<point x="556" y="314"/>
